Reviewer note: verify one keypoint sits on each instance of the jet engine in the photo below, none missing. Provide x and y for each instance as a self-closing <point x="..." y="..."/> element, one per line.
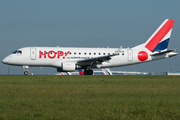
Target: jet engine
<point x="67" y="67"/>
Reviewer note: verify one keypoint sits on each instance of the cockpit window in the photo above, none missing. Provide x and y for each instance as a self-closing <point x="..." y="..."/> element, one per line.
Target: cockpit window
<point x="17" y="52"/>
<point x="14" y="52"/>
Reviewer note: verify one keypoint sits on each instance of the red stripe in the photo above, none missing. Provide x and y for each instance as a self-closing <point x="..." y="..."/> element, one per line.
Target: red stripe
<point x="160" y="35"/>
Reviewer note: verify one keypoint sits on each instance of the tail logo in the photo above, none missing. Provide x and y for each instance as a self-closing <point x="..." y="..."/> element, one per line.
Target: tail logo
<point x="160" y="39"/>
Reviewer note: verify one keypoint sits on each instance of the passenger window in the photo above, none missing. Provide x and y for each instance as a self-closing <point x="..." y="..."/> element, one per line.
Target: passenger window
<point x="74" y="53"/>
<point x="99" y="53"/>
<point x="94" y="53"/>
<point x="84" y="53"/>
<point x="79" y="53"/>
<point x="89" y="53"/>
<point x="104" y="54"/>
<point x="108" y="53"/>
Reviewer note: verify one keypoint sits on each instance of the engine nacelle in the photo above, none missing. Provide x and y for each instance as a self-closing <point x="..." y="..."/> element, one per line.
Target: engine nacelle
<point x="68" y="66"/>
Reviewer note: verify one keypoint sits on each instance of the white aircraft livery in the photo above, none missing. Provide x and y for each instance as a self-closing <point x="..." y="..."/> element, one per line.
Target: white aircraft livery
<point x="67" y="59"/>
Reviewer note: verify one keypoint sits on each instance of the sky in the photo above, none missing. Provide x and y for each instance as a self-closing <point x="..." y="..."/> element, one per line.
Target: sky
<point x="86" y="23"/>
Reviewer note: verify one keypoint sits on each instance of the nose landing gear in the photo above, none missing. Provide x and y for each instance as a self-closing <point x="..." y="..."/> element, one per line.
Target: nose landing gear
<point x="26" y="70"/>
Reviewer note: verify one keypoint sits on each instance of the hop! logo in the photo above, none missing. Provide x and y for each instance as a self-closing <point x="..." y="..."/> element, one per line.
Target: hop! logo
<point x="52" y="54"/>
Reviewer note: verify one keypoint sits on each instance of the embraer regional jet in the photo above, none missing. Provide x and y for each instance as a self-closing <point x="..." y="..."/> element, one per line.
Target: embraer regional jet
<point x="67" y="59"/>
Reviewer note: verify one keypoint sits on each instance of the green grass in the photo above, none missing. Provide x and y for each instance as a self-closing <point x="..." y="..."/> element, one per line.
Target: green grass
<point x="89" y="97"/>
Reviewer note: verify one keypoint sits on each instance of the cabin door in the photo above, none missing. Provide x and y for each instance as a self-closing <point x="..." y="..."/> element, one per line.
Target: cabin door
<point x="33" y="53"/>
<point x="130" y="54"/>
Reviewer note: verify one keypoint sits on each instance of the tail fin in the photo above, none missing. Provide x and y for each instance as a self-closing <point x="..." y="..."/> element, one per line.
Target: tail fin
<point x="159" y="40"/>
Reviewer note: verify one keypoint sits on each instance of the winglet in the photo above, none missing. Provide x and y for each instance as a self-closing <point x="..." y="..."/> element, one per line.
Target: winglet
<point x="117" y="52"/>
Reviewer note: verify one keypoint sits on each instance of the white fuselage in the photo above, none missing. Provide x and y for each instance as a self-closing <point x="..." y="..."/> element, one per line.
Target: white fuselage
<point x="49" y="57"/>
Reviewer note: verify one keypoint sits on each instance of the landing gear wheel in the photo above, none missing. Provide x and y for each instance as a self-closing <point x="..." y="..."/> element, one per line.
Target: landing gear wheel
<point x="26" y="73"/>
<point x="88" y="72"/>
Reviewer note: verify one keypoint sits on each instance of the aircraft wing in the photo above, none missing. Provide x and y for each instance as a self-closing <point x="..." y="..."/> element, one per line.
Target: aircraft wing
<point x="97" y="60"/>
<point x="94" y="60"/>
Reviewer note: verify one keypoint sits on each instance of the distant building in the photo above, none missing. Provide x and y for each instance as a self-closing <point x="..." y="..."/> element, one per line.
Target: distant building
<point x="173" y="73"/>
<point x="165" y="73"/>
<point x="159" y="73"/>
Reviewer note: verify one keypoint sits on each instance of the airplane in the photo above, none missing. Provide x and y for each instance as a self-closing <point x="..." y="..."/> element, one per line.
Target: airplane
<point x="68" y="59"/>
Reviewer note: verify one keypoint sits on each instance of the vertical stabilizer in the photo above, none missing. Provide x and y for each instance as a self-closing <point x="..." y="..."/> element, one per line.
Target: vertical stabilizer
<point x="159" y="40"/>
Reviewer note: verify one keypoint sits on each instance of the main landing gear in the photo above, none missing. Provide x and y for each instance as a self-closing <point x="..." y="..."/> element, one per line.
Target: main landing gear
<point x="26" y="70"/>
<point x="88" y="72"/>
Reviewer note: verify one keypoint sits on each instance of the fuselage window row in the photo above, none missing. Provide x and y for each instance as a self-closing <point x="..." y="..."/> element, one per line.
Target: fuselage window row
<point x="20" y="52"/>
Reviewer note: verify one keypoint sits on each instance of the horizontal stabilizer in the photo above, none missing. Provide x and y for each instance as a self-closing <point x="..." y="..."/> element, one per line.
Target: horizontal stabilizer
<point x="167" y="51"/>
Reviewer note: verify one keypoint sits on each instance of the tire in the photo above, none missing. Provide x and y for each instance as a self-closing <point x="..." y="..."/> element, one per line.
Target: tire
<point x="26" y="73"/>
<point x="90" y="72"/>
<point x="86" y="72"/>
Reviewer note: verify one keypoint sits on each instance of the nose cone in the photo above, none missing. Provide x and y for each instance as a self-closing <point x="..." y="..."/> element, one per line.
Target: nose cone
<point x="5" y="60"/>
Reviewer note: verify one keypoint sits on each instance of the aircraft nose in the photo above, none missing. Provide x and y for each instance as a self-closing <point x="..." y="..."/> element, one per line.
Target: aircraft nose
<point x="5" y="60"/>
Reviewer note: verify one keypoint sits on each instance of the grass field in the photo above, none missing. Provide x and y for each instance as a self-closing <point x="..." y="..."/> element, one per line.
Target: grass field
<point x="89" y="97"/>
